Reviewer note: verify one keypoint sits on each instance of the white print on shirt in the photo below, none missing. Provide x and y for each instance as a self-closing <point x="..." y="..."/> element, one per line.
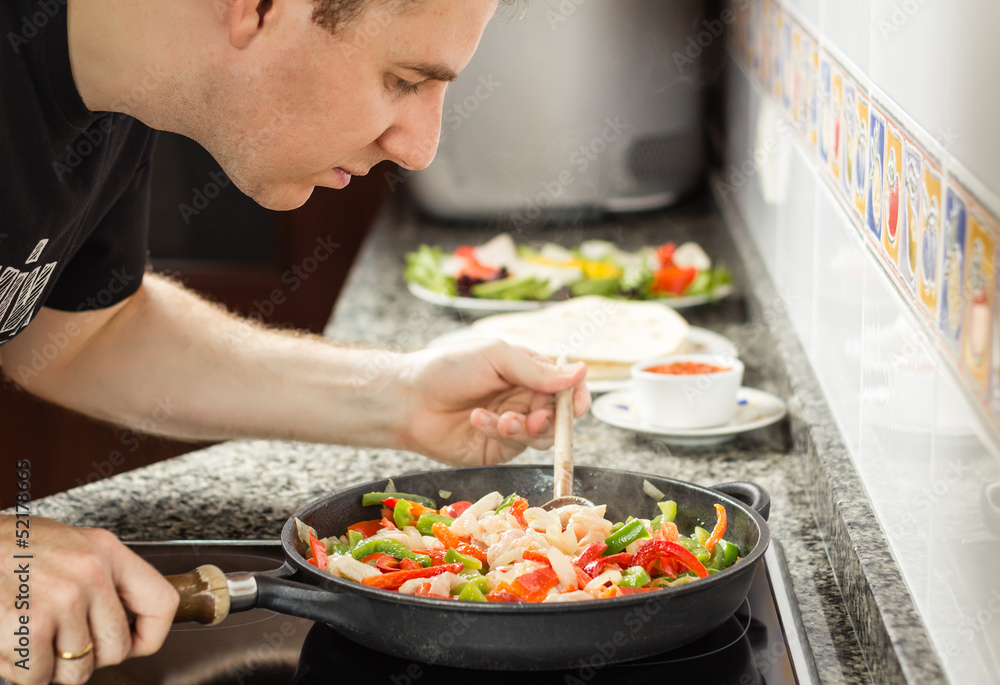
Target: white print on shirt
<point x="36" y="253"/>
<point x="23" y="289"/>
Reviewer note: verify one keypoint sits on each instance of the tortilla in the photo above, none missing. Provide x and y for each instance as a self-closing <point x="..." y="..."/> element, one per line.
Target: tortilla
<point x="609" y="335"/>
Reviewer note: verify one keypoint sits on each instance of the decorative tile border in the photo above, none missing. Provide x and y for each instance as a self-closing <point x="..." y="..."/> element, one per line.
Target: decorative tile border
<point x="936" y="241"/>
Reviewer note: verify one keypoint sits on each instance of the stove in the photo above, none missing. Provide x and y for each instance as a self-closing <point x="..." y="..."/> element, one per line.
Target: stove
<point x="763" y="643"/>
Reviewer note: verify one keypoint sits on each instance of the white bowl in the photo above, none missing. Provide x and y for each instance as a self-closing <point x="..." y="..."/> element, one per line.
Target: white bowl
<point x="698" y="400"/>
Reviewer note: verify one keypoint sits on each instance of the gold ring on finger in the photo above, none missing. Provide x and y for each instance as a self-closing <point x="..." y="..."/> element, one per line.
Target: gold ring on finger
<point x="72" y="656"/>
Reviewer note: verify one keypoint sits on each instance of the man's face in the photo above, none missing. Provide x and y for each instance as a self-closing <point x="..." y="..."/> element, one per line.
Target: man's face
<point x="301" y="107"/>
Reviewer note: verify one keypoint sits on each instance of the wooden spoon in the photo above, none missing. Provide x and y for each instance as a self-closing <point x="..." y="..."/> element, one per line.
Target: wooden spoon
<point x="563" y="466"/>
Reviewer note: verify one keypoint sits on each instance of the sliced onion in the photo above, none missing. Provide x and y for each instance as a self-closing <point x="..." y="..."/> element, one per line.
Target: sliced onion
<point x="611" y="576"/>
<point x="652" y="490"/>
<point x="562" y="566"/>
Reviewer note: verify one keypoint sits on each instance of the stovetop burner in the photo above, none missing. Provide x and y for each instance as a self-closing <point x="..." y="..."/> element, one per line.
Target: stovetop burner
<point x="761" y="644"/>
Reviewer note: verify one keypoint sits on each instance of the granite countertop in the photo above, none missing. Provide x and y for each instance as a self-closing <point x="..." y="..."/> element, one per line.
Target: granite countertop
<point x="247" y="489"/>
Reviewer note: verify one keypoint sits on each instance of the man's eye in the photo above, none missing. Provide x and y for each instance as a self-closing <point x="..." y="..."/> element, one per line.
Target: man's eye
<point x="406" y="87"/>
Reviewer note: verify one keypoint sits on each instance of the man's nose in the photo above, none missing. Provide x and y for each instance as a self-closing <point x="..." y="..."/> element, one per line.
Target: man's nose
<point x="413" y="138"/>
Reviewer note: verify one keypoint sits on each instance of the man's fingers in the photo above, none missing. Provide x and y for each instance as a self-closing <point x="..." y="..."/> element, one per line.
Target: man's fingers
<point x="535" y="372"/>
<point x="73" y="639"/>
<point x="150" y="597"/>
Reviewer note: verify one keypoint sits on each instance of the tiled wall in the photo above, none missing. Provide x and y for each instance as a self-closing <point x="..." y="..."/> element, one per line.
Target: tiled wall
<point x="863" y="151"/>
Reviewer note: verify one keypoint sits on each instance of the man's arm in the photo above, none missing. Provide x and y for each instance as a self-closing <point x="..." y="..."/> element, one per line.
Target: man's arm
<point x="167" y="362"/>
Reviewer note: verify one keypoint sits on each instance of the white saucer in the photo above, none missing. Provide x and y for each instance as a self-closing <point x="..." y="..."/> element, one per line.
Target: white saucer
<point x="700" y="341"/>
<point x="756" y="409"/>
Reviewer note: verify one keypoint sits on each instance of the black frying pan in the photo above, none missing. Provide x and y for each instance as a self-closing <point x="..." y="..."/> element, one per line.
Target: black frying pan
<point x="500" y="636"/>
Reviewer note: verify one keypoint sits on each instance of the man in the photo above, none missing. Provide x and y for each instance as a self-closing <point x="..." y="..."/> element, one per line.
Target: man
<point x="351" y="83"/>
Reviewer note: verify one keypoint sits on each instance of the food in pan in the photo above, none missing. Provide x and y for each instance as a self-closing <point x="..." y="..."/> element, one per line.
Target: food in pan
<point x="503" y="270"/>
<point x="499" y="549"/>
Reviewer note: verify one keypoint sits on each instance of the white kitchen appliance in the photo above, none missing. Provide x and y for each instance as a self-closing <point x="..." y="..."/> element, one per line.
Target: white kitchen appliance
<point x="569" y="107"/>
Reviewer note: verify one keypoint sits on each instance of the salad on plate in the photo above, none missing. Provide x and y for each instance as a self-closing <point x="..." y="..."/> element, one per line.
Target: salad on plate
<point x="502" y="270"/>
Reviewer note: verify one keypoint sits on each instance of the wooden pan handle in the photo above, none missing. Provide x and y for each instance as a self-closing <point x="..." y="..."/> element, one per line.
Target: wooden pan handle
<point x="204" y="595"/>
<point x="563" y="466"/>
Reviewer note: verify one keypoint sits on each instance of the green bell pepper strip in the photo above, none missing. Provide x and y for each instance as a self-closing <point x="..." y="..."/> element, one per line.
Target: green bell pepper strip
<point x="701" y="535"/>
<point x="401" y="513"/>
<point x="354" y="538"/>
<point x="427" y="520"/>
<point x="732" y="552"/>
<point x="453" y="557"/>
<point x="471" y="593"/>
<point x="335" y="546"/>
<point x="634" y="576"/>
<point x="617" y="527"/>
<point x="695" y="548"/>
<point x="390" y="547"/>
<point x="507" y="501"/>
<point x="668" y="508"/>
<point x="717" y="558"/>
<point x="624" y="536"/>
<point x="372" y="498"/>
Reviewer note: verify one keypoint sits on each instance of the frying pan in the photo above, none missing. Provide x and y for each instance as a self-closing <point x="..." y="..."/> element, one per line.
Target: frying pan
<point x="501" y="636"/>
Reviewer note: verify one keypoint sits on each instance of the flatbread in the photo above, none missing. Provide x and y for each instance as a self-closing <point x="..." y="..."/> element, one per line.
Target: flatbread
<point x="610" y="335"/>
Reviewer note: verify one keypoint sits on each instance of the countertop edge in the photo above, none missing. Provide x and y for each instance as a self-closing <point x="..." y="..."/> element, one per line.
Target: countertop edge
<point x="894" y="641"/>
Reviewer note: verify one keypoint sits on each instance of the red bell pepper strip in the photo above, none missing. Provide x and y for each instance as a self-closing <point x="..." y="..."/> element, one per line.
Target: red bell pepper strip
<point x="590" y="553"/>
<point x="387" y="523"/>
<point x="582" y="578"/>
<point x="386" y="563"/>
<point x="408" y="564"/>
<point x="656" y="549"/>
<point x="392" y="581"/>
<point x="366" y="528"/>
<point x="374" y="556"/>
<point x="596" y="567"/>
<point x="535" y="555"/>
<point x="456" y="509"/>
<point x="673" y="279"/>
<point x="390" y="502"/>
<point x="517" y="510"/>
<point x="720" y="528"/>
<point x="318" y="552"/>
<point x="665" y="254"/>
<point x="503" y="593"/>
<point x="470" y="549"/>
<point x="535" y="585"/>
<point x="624" y="590"/>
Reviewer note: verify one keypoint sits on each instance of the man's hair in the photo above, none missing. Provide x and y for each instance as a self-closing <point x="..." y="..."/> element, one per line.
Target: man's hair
<point x="334" y="15"/>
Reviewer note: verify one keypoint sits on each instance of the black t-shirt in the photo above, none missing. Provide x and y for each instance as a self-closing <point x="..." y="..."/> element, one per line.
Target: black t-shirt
<point x="74" y="185"/>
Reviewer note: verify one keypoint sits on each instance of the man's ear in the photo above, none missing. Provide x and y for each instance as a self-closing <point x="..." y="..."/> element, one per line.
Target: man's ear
<point x="246" y="19"/>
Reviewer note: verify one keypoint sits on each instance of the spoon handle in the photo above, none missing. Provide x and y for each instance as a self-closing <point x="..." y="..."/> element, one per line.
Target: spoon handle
<point x="563" y="486"/>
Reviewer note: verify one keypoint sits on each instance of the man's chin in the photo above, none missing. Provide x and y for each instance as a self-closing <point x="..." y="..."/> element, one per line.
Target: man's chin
<point x="281" y="198"/>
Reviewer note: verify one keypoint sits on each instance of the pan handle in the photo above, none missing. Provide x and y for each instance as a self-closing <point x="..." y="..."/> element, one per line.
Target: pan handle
<point x="208" y="595"/>
<point x="749" y="493"/>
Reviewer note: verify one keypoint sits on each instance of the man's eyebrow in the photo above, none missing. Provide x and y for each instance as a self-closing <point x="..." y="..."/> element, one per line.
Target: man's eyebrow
<point x="433" y="72"/>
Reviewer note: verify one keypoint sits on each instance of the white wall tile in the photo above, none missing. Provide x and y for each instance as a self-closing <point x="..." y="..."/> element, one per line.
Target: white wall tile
<point x="840" y="275"/>
<point x="796" y="241"/>
<point x="847" y="24"/>
<point x="762" y="161"/>
<point x="897" y="420"/>
<point x="907" y="59"/>
<point x="965" y="626"/>
<point x="808" y="11"/>
<point x="971" y="54"/>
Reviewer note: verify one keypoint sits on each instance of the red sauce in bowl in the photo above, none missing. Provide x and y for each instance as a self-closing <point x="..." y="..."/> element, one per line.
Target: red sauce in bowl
<point x="686" y="368"/>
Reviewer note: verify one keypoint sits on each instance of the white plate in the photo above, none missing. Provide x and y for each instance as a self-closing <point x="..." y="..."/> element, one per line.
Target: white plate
<point x="700" y="341"/>
<point x="756" y="409"/>
<point x="476" y="304"/>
